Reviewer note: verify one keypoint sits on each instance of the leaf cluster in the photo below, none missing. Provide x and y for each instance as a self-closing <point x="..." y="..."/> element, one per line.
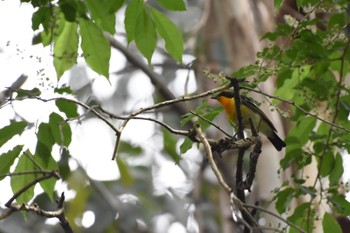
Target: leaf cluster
<point x="68" y="22"/>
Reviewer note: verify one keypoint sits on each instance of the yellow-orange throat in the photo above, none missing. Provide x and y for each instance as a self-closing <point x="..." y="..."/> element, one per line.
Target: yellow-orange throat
<point x="230" y="108"/>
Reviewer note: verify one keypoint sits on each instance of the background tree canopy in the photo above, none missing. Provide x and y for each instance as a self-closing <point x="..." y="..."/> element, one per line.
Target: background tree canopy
<point x="111" y="128"/>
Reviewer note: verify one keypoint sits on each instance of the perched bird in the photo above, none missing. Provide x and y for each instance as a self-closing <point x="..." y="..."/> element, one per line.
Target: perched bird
<point x="250" y="110"/>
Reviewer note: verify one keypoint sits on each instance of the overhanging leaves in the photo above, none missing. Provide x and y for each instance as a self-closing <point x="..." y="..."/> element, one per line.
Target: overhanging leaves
<point x="18" y="182"/>
<point x="15" y="128"/>
<point x="7" y="159"/>
<point x="170" y="33"/>
<point x="66" y="48"/>
<point x="145" y="35"/>
<point x="103" y="12"/>
<point x="330" y="224"/>
<point x="96" y="48"/>
<point x="133" y="10"/>
<point x="70" y="109"/>
<point x="45" y="143"/>
<point x="173" y="5"/>
<point x="337" y="172"/>
<point x="60" y="129"/>
<point x="125" y="176"/>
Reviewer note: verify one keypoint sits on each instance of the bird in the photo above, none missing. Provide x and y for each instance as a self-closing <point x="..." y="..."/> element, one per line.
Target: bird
<point x="250" y="110"/>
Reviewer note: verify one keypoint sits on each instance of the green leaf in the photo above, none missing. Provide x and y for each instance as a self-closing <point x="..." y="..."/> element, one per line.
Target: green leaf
<point x="125" y="177"/>
<point x="169" y="32"/>
<point x="301" y="214"/>
<point x="169" y="143"/>
<point x="293" y="153"/>
<point x="48" y="185"/>
<point x="95" y="46"/>
<point x="186" y="145"/>
<point x="68" y="108"/>
<point x="18" y="182"/>
<point x="337" y="172"/>
<point x="45" y="143"/>
<point x="54" y="29"/>
<point x="344" y="109"/>
<point x="173" y="5"/>
<point x="307" y="190"/>
<point x="206" y="111"/>
<point x="127" y="148"/>
<point x="337" y="20"/>
<point x="327" y="164"/>
<point x="102" y="14"/>
<point x="247" y="71"/>
<point x="145" y="35"/>
<point x="277" y="4"/>
<point x="21" y="93"/>
<point x="114" y="5"/>
<point x="284" y="198"/>
<point x="69" y="9"/>
<point x="330" y="224"/>
<point x="60" y="129"/>
<point x="303" y="129"/>
<point x="76" y="206"/>
<point x="66" y="48"/>
<point x="209" y="116"/>
<point x="7" y="159"/>
<point x="340" y="204"/>
<point x="63" y="165"/>
<point x="63" y="90"/>
<point x="133" y="10"/>
<point x="41" y="16"/>
<point x="16" y="127"/>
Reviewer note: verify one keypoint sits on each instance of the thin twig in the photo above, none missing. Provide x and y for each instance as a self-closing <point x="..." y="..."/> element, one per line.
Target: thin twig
<point x="162" y="104"/>
<point x="59" y="213"/>
<point x="169" y="128"/>
<point x="211" y="123"/>
<point x="26" y="173"/>
<point x="298" y="107"/>
<point x="27" y="186"/>
<point x="212" y="163"/>
<point x="30" y="157"/>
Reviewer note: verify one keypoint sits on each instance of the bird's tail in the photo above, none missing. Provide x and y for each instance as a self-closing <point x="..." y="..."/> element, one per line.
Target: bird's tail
<point x="276" y="141"/>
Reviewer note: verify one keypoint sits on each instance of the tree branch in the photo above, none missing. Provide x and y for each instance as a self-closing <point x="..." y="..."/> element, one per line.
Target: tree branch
<point x="153" y="76"/>
<point x="35" y="181"/>
<point x="59" y="213"/>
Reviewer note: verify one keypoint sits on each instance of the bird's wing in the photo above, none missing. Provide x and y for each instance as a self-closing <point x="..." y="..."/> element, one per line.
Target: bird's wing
<point x="252" y="106"/>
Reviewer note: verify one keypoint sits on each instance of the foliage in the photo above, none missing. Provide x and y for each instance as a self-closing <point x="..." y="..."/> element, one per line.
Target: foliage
<point x="310" y="70"/>
<point x="142" y="24"/>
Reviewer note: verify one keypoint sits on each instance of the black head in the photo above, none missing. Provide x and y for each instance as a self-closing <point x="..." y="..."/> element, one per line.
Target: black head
<point x="226" y="94"/>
